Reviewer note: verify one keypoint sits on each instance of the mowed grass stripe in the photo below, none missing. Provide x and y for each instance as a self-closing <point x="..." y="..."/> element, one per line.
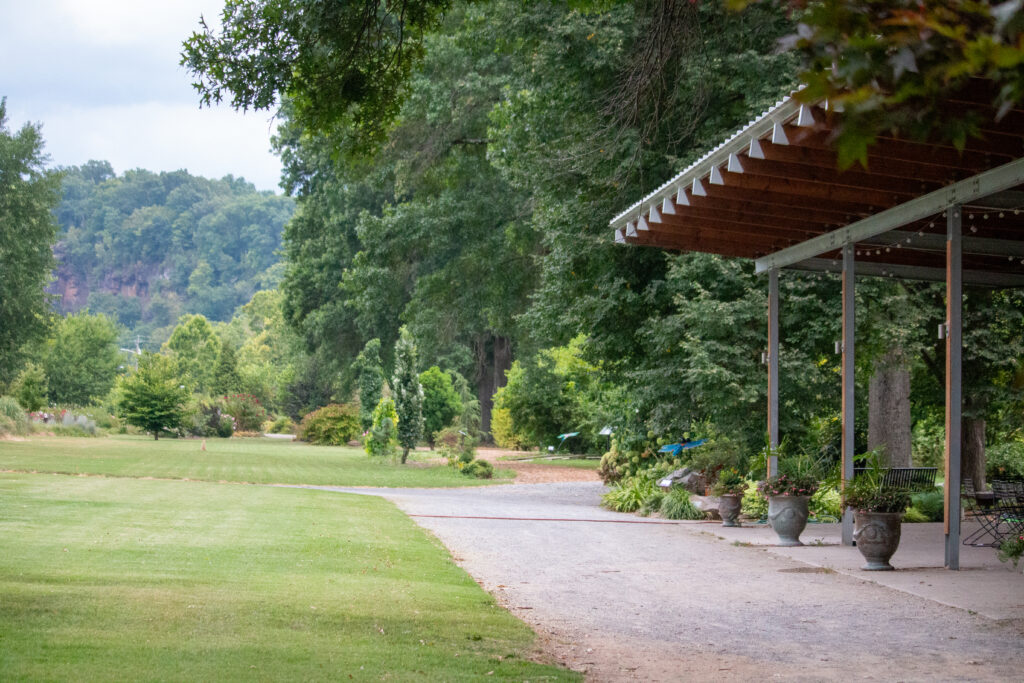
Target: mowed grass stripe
<point x="126" y="579"/>
<point x="259" y="461"/>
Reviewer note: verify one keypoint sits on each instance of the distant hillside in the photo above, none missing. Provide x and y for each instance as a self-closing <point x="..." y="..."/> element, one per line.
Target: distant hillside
<point x="146" y="247"/>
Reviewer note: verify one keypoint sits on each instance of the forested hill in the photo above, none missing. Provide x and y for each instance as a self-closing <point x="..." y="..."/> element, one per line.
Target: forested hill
<point x="146" y="247"/>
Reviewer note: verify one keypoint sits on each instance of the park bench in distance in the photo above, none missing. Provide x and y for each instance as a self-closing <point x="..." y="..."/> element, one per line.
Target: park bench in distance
<point x="907" y="478"/>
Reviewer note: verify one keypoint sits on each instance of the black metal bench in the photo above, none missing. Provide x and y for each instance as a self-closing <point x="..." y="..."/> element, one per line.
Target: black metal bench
<point x="909" y="478"/>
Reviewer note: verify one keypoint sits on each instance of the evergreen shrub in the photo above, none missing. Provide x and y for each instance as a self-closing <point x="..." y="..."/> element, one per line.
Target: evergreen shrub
<point x="481" y="469"/>
<point x="382" y="438"/>
<point x="332" y="425"/>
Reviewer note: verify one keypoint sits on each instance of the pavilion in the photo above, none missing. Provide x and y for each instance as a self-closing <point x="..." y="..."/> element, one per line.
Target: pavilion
<point x="920" y="211"/>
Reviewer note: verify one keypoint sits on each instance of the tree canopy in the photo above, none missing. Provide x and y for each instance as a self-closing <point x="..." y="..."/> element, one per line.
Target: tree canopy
<point x="28" y="193"/>
<point x="146" y="247"/>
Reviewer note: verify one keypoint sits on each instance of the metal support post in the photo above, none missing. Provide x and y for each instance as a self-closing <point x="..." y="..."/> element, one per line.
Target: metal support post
<point x="954" y="350"/>
<point x="773" y="370"/>
<point x="848" y="350"/>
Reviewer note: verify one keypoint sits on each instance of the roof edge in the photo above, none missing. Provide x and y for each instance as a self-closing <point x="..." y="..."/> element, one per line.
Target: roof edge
<point x="783" y="111"/>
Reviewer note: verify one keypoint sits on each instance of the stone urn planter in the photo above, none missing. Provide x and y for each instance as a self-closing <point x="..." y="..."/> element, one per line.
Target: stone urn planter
<point x="729" y="506"/>
<point x="788" y="517"/>
<point x="877" y="535"/>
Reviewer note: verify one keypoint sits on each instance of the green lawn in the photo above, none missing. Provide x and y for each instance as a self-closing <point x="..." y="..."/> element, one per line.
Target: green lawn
<point x="262" y="461"/>
<point x="132" y="579"/>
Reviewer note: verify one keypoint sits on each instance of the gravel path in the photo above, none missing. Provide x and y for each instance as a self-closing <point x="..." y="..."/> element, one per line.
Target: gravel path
<point x="670" y="601"/>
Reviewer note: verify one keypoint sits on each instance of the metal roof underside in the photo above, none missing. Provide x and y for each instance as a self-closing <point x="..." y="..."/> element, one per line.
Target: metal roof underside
<point x="772" y="192"/>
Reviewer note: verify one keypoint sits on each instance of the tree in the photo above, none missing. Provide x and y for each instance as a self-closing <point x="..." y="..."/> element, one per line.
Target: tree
<point x="338" y="63"/>
<point x="383" y="437"/>
<point x="82" y="358"/>
<point x="226" y="379"/>
<point x="29" y="387"/>
<point x="408" y="394"/>
<point x="151" y="397"/>
<point x="28" y="194"/>
<point x="194" y="347"/>
<point x="441" y="403"/>
<point x="892" y="64"/>
<point x="371" y="381"/>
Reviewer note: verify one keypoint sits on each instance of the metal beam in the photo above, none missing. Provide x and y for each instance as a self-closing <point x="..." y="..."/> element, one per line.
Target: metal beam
<point x="848" y="350"/>
<point x="970" y="277"/>
<point x="978" y="246"/>
<point x="954" y="349"/>
<point x="990" y="182"/>
<point x="773" y="372"/>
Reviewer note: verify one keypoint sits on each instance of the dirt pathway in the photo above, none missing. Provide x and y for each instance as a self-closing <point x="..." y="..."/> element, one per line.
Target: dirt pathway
<point x="665" y="602"/>
<point x="535" y="473"/>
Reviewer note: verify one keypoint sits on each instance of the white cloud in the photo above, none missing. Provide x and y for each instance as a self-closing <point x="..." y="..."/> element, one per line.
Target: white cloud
<point x="159" y="137"/>
<point x="102" y="77"/>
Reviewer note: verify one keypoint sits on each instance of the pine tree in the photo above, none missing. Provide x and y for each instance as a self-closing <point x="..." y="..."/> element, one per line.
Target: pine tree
<point x="226" y="379"/>
<point x="371" y="381"/>
<point x="408" y="393"/>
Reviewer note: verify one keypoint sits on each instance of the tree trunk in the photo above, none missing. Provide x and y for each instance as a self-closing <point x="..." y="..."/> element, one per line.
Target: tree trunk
<point x="972" y="451"/>
<point x="405" y="455"/>
<point x="889" y="409"/>
<point x="156" y="436"/>
<point x="493" y="358"/>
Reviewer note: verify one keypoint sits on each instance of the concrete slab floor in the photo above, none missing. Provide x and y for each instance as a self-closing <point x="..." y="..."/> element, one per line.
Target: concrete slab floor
<point x="984" y="585"/>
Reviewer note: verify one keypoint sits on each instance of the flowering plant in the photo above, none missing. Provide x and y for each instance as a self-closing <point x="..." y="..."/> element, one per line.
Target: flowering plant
<point x="788" y="485"/>
<point x="1011" y="550"/>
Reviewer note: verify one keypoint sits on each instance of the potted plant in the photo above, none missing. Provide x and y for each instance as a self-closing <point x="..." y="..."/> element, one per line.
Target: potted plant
<point x="877" y="516"/>
<point x="730" y="487"/>
<point x="1011" y="550"/>
<point x="788" y="496"/>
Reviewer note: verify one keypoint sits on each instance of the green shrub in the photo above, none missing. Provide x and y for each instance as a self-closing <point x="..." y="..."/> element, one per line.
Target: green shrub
<point x="457" y="447"/>
<point x="754" y="505"/>
<point x="629" y="495"/>
<point x="279" y="425"/>
<point x="930" y="505"/>
<point x="332" y="425"/>
<point x="206" y="418"/>
<point x="826" y="502"/>
<point x="504" y="433"/>
<point x="383" y="437"/>
<point x="249" y="414"/>
<point x="915" y="516"/>
<point x="30" y="387"/>
<point x="677" y="505"/>
<point x="718" y="453"/>
<point x="652" y="503"/>
<point x="928" y="441"/>
<point x="13" y="419"/>
<point x="481" y="469"/>
<point x="1005" y="460"/>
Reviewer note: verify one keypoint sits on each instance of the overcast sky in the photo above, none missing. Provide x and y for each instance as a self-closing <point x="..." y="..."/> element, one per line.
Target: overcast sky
<point x="102" y="77"/>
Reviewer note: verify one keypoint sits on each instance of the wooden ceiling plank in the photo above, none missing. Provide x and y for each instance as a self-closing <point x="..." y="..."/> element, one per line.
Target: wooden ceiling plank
<point x="783" y="210"/>
<point x="824" y="158"/>
<point x="856" y="208"/>
<point x="726" y="225"/>
<point x="858" y="180"/>
<point x="905" y="150"/>
<point x="817" y="190"/>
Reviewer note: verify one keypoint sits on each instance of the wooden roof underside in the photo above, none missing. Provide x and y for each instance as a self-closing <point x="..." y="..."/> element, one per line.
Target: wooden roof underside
<point x="775" y="185"/>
